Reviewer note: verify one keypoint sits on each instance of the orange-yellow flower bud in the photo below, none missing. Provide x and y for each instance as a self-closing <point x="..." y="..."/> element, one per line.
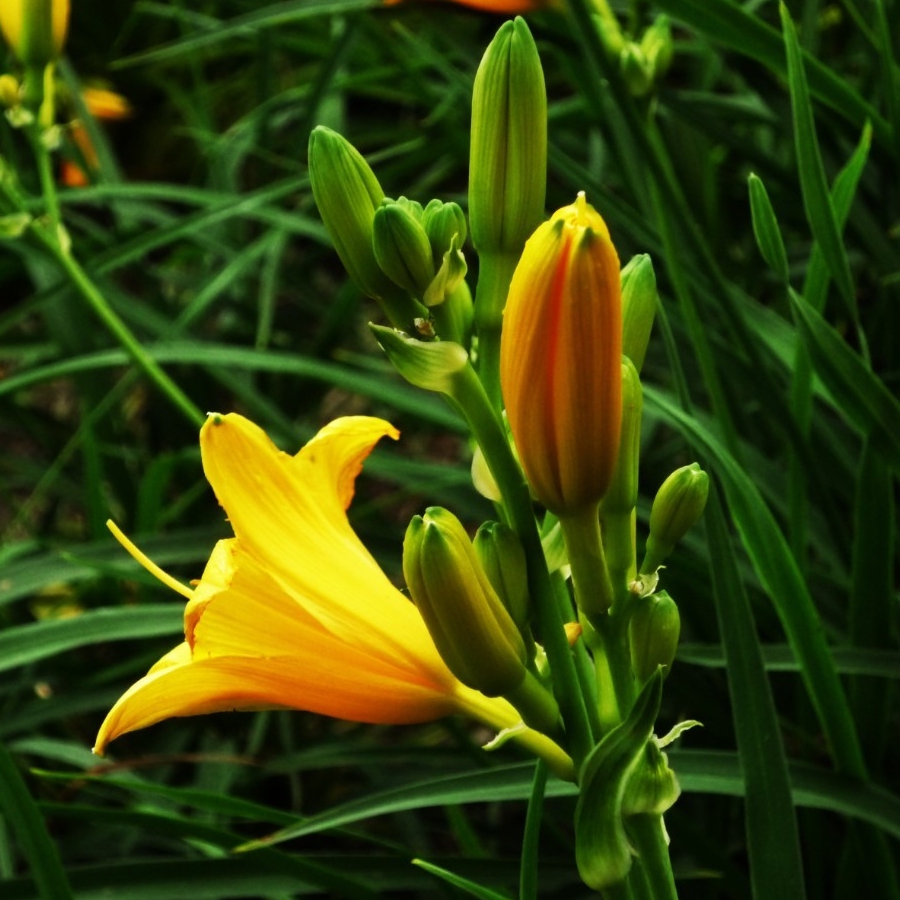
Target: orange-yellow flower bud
<point x="561" y="357"/>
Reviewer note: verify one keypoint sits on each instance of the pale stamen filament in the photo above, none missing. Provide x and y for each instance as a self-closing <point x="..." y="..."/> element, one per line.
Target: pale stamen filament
<point x="148" y="563"/>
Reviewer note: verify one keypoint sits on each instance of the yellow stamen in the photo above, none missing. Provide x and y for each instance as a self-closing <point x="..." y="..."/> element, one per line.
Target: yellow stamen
<point x="147" y="563"/>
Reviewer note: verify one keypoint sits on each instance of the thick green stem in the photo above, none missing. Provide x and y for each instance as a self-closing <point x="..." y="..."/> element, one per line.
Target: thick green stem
<point x="48" y="184"/>
<point x="486" y="427"/>
<point x="620" y="546"/>
<point x="620" y="891"/>
<point x="648" y="835"/>
<point x="590" y="575"/>
<point x="494" y="276"/>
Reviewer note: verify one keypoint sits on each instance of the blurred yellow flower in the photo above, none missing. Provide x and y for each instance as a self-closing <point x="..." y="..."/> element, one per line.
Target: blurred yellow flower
<point x="561" y="359"/>
<point x="293" y="612"/>
<point x="35" y="29"/>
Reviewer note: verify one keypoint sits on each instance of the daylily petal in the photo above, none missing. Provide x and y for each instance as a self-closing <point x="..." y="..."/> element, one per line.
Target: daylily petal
<point x="289" y="514"/>
<point x="255" y="617"/>
<point x="310" y="679"/>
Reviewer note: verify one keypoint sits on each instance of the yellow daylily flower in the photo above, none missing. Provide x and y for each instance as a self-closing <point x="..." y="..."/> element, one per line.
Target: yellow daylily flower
<point x="293" y="612"/>
<point x="35" y="29"/>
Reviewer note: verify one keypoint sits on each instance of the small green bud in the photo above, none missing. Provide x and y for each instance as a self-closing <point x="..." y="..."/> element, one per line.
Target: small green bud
<point x="621" y="496"/>
<point x="608" y="28"/>
<point x="432" y="365"/>
<point x="766" y="230"/>
<point x="503" y="560"/>
<point x="653" y="631"/>
<point x="657" y="46"/>
<point x="442" y="222"/>
<point x="636" y="71"/>
<point x="401" y="247"/>
<point x="638" y="307"/>
<point x="347" y="194"/>
<point x="470" y="626"/>
<point x="13" y="225"/>
<point x="678" y="505"/>
<point x="508" y="159"/>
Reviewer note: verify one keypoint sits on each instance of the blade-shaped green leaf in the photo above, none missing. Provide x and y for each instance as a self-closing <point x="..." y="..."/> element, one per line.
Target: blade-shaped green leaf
<point x="21" y="813"/>
<point x="816" y="197"/>
<point x="464" y="884"/>
<point x="777" y="570"/>
<point x="858" y="392"/>
<point x="23" y="644"/>
<point x="729" y="23"/>
<point x="765" y="228"/>
<point x="773" y="843"/>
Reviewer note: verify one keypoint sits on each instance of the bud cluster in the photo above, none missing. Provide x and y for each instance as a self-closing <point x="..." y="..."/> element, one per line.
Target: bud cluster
<point x="555" y="407"/>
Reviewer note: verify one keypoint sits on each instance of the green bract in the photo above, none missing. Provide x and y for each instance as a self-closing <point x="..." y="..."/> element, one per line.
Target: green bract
<point x="429" y="365"/>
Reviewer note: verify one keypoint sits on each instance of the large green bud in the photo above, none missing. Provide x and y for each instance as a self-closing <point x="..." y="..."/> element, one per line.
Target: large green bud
<point x="347" y="194"/>
<point x="474" y="634"/>
<point x="603" y="852"/>
<point x="471" y="628"/>
<point x="508" y="159"/>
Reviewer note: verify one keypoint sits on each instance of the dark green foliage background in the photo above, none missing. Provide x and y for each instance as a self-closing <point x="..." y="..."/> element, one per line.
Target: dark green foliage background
<point x="202" y="234"/>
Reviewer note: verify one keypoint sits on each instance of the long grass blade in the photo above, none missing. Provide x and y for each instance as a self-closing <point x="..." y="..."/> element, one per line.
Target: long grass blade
<point x="773" y="844"/>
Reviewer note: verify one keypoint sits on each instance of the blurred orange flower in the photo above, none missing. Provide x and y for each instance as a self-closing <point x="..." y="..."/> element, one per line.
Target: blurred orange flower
<point x="101" y="103"/>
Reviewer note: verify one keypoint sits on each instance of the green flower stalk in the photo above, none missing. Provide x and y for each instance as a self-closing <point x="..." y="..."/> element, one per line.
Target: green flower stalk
<point x="617" y="508"/>
<point x="348" y="194"/>
<point x="470" y="626"/>
<point x="679" y="503"/>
